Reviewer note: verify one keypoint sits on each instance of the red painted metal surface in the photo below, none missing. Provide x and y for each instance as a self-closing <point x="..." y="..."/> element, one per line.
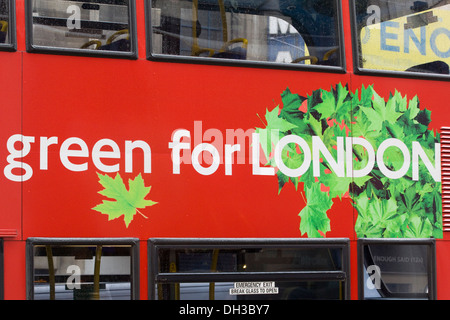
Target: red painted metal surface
<point x="127" y="100"/>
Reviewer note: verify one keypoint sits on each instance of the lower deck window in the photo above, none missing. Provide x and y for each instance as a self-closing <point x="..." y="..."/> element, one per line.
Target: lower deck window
<point x="91" y="28"/>
<point x="243" y="269"/>
<point x="397" y="269"/>
<point x="82" y="269"/>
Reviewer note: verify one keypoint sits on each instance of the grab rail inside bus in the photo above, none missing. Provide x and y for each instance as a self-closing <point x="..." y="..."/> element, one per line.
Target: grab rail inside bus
<point x="196" y="50"/>
<point x="118" y="33"/>
<point x="212" y="285"/>
<point x="313" y="59"/>
<point x="98" y="256"/>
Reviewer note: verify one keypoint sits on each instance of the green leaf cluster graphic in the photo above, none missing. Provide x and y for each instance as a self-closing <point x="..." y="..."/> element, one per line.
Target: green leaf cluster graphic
<point x="386" y="207"/>
<point x="127" y="202"/>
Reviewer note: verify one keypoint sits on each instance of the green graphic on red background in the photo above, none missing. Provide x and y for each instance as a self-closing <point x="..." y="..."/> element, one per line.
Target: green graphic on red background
<point x="123" y="201"/>
<point x="387" y="208"/>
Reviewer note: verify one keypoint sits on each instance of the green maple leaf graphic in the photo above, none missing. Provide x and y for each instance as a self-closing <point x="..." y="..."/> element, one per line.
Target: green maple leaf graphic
<point x="390" y="208"/>
<point x="127" y="201"/>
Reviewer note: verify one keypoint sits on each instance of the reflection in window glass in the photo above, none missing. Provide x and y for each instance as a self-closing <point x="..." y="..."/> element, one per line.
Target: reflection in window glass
<point x="411" y="36"/>
<point x="94" y="25"/>
<point x="242" y="270"/>
<point x="82" y="272"/>
<point x="397" y="271"/>
<point x="4" y="22"/>
<point x="291" y="32"/>
<point x="2" y="282"/>
<point x="250" y="260"/>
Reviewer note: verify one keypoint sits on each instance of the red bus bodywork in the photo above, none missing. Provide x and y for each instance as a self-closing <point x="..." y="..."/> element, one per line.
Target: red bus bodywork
<point x="63" y="96"/>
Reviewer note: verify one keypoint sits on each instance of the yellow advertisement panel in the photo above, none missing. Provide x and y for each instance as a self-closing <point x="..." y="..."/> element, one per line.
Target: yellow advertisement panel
<point x="419" y="42"/>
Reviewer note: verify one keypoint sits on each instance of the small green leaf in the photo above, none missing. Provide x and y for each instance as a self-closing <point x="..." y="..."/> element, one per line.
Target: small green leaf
<point x="127" y="201"/>
<point x="314" y="216"/>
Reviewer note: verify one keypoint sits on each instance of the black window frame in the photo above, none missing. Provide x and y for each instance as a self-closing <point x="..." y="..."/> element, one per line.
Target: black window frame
<point x="431" y="263"/>
<point x="12" y="44"/>
<point x="374" y="72"/>
<point x="133" y="242"/>
<point x="132" y="54"/>
<point x="2" y="271"/>
<point x="341" y="69"/>
<point x="155" y="244"/>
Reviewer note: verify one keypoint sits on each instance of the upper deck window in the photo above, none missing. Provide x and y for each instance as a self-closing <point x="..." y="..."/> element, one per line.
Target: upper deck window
<point x="284" y="32"/>
<point x="410" y="36"/>
<point x="96" y="27"/>
<point x="7" y="33"/>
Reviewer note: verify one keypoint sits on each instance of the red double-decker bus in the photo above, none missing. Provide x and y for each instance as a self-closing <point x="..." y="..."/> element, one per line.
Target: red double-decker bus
<point x="224" y="149"/>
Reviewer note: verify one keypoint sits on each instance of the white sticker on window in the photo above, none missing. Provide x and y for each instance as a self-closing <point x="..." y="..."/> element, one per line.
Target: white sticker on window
<point x="264" y="287"/>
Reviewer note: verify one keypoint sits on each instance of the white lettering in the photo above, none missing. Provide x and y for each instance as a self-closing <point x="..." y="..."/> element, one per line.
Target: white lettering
<point x="279" y="161"/>
<point x="44" y="144"/>
<point x="349" y="157"/>
<point x="74" y="155"/>
<point x="418" y="152"/>
<point x="177" y="146"/>
<point x="215" y="161"/>
<point x="406" y="158"/>
<point x="338" y="166"/>
<point x="65" y="152"/>
<point x="98" y="154"/>
<point x="257" y="169"/>
<point x="229" y="150"/>
<point x="18" y="153"/>
<point x="145" y="147"/>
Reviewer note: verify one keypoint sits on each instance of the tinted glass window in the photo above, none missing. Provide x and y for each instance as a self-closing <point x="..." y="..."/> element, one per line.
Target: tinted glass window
<point x="6" y="24"/>
<point x="411" y="36"/>
<point x="2" y="283"/>
<point x="250" y="260"/>
<point x="82" y="271"/>
<point x="288" y="32"/>
<point x="96" y="26"/>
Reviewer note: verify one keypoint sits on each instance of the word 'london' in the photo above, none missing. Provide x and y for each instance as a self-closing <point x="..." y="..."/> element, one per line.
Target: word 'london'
<point x="19" y="146"/>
